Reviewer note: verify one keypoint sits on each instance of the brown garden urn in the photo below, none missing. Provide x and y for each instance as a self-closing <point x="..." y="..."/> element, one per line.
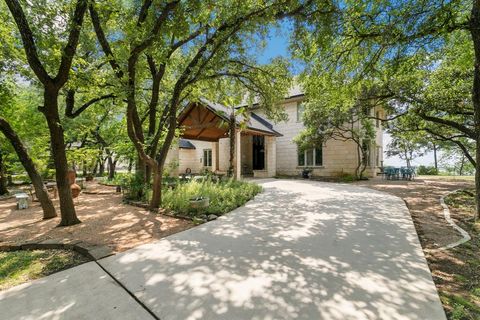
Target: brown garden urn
<point x="76" y="189"/>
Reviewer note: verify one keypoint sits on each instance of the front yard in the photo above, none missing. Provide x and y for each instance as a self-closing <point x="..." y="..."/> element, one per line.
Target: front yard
<point x="106" y="220"/>
<point x="456" y="272"/>
<point x="17" y="267"/>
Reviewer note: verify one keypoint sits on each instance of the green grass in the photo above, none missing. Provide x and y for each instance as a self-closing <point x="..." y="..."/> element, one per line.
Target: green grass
<point x="462" y="309"/>
<point x="17" y="267"/>
<point x="224" y="196"/>
<point x="463" y="199"/>
<point x="448" y="178"/>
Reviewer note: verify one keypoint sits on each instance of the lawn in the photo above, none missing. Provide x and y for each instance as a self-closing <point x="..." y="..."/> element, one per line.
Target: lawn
<point x="447" y="178"/>
<point x="17" y="267"/>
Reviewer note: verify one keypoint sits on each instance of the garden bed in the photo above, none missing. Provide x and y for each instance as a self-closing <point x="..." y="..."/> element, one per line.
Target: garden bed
<point x="17" y="267"/>
<point x="223" y="197"/>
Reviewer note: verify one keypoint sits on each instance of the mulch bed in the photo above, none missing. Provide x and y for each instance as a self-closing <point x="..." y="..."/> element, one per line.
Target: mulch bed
<point x="106" y="221"/>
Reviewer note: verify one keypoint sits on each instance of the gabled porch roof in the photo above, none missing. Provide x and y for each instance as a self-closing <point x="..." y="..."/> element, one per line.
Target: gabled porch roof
<point x="208" y="121"/>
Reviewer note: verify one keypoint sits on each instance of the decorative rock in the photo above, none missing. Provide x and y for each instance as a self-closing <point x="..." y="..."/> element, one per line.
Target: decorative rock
<point x="76" y="189"/>
<point x="22" y="201"/>
<point x="197" y="220"/>
<point x="212" y="217"/>
<point x="51" y="244"/>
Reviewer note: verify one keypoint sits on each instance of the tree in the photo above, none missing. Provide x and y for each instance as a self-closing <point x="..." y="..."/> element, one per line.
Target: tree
<point x="37" y="181"/>
<point x="385" y="38"/>
<point x="339" y="113"/>
<point x="51" y="89"/>
<point x="406" y="148"/>
<point x="184" y="47"/>
<point x="7" y="104"/>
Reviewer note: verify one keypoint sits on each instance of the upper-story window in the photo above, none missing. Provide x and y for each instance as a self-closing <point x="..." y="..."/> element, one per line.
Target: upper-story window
<point x="300" y="110"/>
<point x="377" y="119"/>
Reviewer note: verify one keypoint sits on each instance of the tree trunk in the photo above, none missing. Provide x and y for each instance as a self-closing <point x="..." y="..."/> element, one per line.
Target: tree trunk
<point x="40" y="190"/>
<point x="231" y="135"/>
<point x="359" y="161"/>
<point x="140" y="168"/>
<point x="435" y="157"/>
<point x="475" y="32"/>
<point x="148" y="174"/>
<point x="3" y="176"/>
<point x="111" y="168"/>
<point x="84" y="168"/>
<point x="462" y="164"/>
<point x="101" y="167"/>
<point x="130" y="165"/>
<point x="50" y="110"/>
<point x="157" y="189"/>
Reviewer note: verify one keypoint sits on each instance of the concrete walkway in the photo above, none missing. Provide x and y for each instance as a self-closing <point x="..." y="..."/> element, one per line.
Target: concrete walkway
<point x="300" y="250"/>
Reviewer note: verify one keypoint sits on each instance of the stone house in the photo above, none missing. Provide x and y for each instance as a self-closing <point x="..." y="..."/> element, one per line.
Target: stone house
<point x="263" y="149"/>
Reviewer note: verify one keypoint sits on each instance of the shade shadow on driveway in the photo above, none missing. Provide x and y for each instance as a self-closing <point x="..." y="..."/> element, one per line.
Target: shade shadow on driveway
<point x="299" y="250"/>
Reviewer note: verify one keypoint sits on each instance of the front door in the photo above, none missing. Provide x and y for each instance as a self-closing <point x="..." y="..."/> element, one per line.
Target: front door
<point x="258" y="153"/>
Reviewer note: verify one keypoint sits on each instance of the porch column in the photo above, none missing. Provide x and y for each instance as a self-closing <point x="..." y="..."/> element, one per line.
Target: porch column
<point x="271" y="156"/>
<point x="215" y="155"/>
<point x="238" y="155"/>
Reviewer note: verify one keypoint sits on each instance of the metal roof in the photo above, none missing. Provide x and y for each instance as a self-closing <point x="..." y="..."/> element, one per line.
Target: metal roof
<point x="253" y="122"/>
<point x="185" y="144"/>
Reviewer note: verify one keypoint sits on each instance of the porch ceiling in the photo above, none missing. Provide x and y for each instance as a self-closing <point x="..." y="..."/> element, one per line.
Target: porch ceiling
<point x="201" y="123"/>
<point x="208" y="121"/>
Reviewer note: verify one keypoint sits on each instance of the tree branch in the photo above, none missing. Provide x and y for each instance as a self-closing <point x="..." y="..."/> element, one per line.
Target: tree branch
<point x="70" y="103"/>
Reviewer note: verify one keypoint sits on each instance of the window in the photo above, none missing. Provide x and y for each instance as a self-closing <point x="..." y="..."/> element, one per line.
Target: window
<point x="310" y="158"/>
<point x="207" y="157"/>
<point x="377" y="119"/>
<point x="300" y="110"/>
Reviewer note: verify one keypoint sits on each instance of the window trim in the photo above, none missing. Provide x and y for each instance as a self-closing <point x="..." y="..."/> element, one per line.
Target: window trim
<point x="207" y="157"/>
<point x="314" y="158"/>
<point x="300" y="115"/>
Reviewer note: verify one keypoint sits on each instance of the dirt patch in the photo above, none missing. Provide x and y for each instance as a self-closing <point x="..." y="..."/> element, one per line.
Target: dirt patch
<point x="456" y="272"/>
<point x="105" y="221"/>
<point x="422" y="199"/>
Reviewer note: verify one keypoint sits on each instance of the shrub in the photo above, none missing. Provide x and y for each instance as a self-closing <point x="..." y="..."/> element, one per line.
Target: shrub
<point x="224" y="196"/>
<point x="427" y="171"/>
<point x="345" y="177"/>
<point x="134" y="185"/>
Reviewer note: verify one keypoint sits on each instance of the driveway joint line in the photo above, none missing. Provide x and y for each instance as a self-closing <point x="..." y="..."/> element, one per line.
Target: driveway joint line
<point x="129" y="292"/>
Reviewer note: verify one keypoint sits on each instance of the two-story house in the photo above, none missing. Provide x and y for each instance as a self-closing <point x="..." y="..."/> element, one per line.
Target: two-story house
<point x="263" y="149"/>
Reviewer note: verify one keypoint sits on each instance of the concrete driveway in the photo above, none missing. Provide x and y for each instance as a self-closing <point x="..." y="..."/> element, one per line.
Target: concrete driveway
<point x="300" y="250"/>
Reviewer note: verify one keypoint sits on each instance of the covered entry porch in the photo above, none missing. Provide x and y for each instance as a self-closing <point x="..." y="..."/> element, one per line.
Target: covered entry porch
<point x="254" y="142"/>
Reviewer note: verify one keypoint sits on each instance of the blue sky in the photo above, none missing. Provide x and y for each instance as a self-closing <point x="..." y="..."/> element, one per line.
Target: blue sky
<point x="277" y="46"/>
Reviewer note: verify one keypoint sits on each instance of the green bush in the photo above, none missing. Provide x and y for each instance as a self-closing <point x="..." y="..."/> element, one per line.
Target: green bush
<point x="133" y="186"/>
<point x="427" y="171"/>
<point x="120" y="178"/>
<point x="224" y="196"/>
<point x="48" y="174"/>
